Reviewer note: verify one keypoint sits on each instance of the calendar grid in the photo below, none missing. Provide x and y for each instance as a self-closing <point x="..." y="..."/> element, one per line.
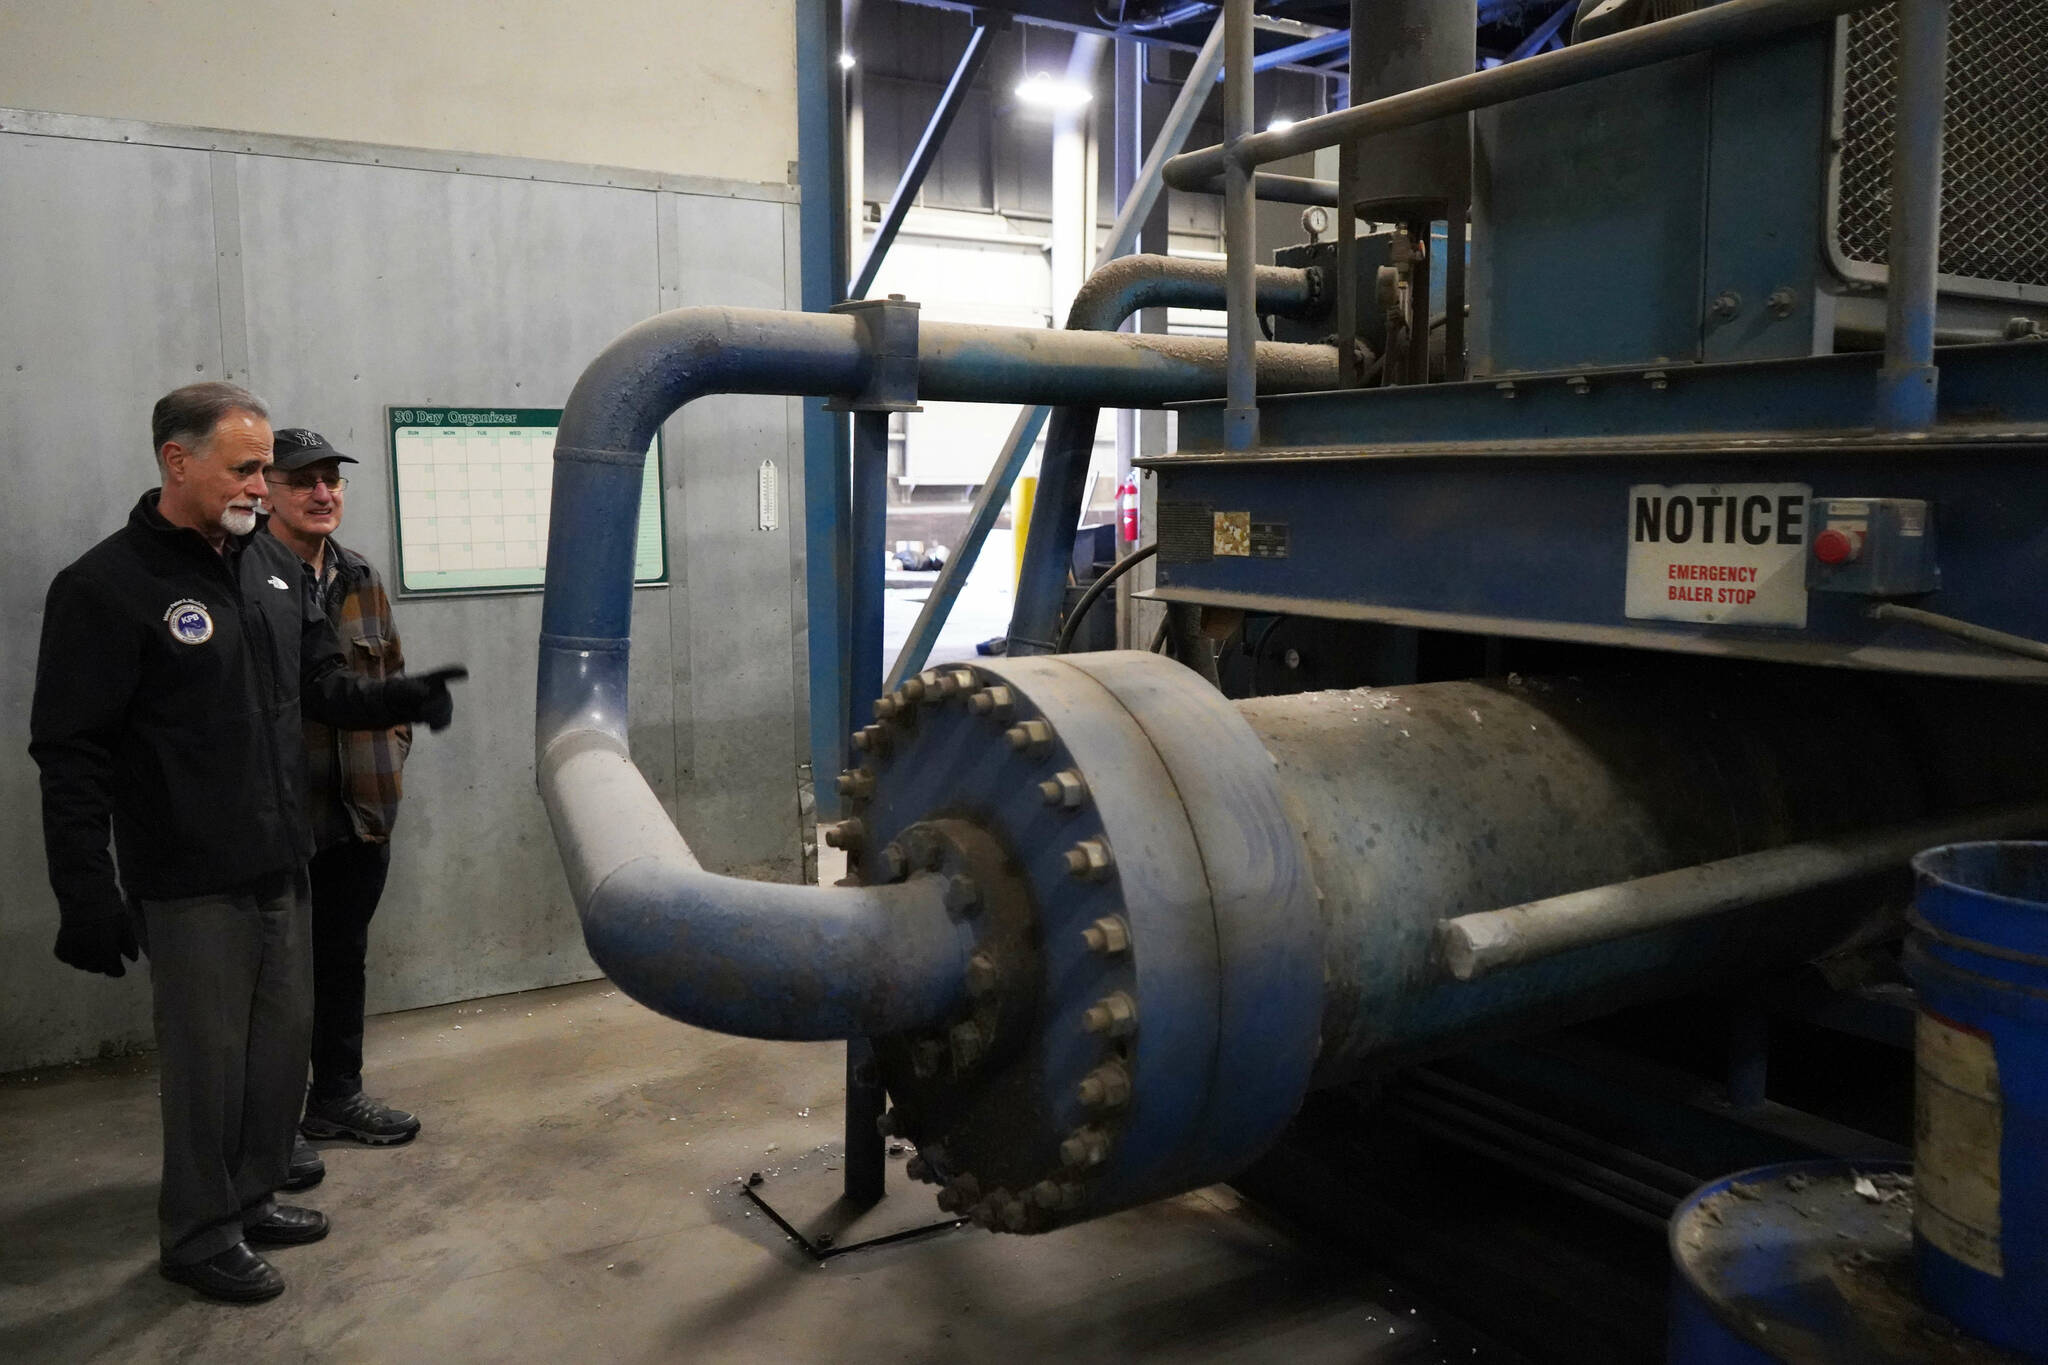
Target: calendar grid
<point x="471" y="489"/>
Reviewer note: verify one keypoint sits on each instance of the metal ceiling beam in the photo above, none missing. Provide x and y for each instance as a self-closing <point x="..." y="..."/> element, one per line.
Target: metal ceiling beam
<point x="922" y="160"/>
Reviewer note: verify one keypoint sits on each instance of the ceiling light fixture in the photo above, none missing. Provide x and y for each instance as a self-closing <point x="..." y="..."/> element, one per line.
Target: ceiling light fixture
<point x="1041" y="90"/>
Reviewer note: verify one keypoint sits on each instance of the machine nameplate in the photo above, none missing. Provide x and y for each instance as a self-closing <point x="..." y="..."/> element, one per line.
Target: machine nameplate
<point x="1726" y="554"/>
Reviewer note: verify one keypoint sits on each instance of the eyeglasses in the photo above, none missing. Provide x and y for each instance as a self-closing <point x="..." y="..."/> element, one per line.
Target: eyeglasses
<point x="305" y="483"/>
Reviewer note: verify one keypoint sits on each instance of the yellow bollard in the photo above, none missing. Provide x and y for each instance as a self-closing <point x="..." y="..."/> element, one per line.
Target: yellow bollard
<point x="1022" y="494"/>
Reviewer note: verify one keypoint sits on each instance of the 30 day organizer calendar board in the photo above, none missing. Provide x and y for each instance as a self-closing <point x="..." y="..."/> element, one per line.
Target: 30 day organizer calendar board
<point x="471" y="489"/>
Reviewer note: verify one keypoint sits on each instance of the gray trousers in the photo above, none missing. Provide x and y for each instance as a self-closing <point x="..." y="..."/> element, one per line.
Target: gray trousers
<point x="232" y="979"/>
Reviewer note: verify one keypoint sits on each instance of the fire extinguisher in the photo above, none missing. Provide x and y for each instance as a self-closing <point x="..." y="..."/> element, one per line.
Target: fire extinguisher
<point x="1127" y="507"/>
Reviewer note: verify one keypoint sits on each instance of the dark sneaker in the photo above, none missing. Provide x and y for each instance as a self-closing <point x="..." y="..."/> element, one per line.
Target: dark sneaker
<point x="237" y="1275"/>
<point x="287" y="1225"/>
<point x="306" y="1169"/>
<point x="360" y="1119"/>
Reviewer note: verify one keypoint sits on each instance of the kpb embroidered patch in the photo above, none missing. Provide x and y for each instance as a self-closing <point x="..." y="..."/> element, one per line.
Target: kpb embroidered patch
<point x="189" y="621"/>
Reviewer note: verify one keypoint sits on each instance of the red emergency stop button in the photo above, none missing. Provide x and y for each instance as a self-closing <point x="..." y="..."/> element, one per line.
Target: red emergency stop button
<point x="1834" y="546"/>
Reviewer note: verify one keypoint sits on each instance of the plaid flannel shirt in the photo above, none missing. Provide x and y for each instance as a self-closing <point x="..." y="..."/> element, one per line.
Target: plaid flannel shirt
<point x="354" y="777"/>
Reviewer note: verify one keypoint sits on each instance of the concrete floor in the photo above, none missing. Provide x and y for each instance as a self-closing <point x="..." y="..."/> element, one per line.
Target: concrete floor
<point x="573" y="1198"/>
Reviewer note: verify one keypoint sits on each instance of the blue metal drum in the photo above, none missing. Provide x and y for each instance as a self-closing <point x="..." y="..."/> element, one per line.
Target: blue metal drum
<point x="1809" y="1261"/>
<point x="1979" y="955"/>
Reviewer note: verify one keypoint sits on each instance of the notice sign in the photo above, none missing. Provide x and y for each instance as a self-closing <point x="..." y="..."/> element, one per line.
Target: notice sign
<point x="1727" y="554"/>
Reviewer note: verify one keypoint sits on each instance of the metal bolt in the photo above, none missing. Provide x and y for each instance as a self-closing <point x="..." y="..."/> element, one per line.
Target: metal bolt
<point x="1089" y="860"/>
<point x="981" y="974"/>
<point x="1055" y="1194"/>
<point x="891" y="864"/>
<point x="1781" y="302"/>
<point x="845" y="834"/>
<point x="885" y="708"/>
<point x="1107" y="935"/>
<point x="873" y="739"/>
<point x="754" y="1180"/>
<point x="1506" y="388"/>
<point x="927" y="1057"/>
<point x="857" y="783"/>
<point x="1579" y="385"/>
<point x="992" y="701"/>
<point x="1085" y="1147"/>
<point x="949" y="1199"/>
<point x="1016" y="1216"/>
<point x="937" y="686"/>
<point x="1032" y="736"/>
<point x="962" y="896"/>
<point x="911" y="691"/>
<point x="1065" y="789"/>
<point x="822" y="1240"/>
<point x="964" y="682"/>
<point x="917" y="1168"/>
<point x="966" y="1040"/>
<point x="1726" y="305"/>
<point x="968" y="1188"/>
<point x="924" y="848"/>
<point x="983" y="1216"/>
<point x="1106" y="1087"/>
<point x="1658" y="379"/>
<point x="1115" y="1014"/>
<point x="885" y="1124"/>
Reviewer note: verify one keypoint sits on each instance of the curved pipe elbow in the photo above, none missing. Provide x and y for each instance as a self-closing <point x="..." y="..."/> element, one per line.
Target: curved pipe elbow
<point x="759" y="959"/>
<point x="1121" y="287"/>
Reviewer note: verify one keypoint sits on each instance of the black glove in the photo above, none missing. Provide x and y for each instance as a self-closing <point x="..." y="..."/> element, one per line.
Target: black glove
<point x="97" y="945"/>
<point x="424" y="697"/>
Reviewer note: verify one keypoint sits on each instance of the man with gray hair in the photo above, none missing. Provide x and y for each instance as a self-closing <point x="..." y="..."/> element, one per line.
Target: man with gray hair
<point x="178" y="658"/>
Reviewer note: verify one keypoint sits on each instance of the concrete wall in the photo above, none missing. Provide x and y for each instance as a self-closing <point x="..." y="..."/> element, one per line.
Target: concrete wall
<point x="689" y="86"/>
<point x="335" y="280"/>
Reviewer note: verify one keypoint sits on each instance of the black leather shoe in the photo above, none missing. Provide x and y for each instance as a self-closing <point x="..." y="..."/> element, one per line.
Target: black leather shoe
<point x="306" y="1169"/>
<point x="237" y="1275"/>
<point x="360" y="1119"/>
<point x="288" y="1226"/>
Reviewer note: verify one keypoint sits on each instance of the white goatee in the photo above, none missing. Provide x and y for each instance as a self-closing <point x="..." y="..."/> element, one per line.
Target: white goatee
<point x="238" y="521"/>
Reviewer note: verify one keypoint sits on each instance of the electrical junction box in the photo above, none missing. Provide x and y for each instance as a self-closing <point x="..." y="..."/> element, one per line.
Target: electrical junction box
<point x="1872" y="547"/>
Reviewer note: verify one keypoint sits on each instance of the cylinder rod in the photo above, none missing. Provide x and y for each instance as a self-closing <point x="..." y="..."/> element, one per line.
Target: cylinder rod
<point x="1908" y="384"/>
<point x="1732" y="21"/>
<point x="1473" y="946"/>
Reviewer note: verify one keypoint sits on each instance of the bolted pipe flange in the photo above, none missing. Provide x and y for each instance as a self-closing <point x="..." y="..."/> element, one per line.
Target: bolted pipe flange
<point x="1089" y="860"/>
<point x="1067" y="790"/>
<point x="996" y="701"/>
<point x="1113" y="1016"/>
<point x="1106" y="1087"/>
<point x="1108" y="935"/>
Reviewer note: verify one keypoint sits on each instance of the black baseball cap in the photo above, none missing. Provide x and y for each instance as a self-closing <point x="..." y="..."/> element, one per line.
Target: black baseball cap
<point x="295" y="448"/>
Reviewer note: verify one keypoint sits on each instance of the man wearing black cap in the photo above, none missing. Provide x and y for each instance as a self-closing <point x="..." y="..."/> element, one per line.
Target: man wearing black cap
<point x="352" y="792"/>
<point x="178" y="657"/>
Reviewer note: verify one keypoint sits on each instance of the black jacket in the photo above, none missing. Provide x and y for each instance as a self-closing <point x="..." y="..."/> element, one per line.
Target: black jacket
<point x="169" y="693"/>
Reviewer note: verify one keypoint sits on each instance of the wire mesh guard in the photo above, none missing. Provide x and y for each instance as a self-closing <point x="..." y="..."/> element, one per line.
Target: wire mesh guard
<point x="1994" y="216"/>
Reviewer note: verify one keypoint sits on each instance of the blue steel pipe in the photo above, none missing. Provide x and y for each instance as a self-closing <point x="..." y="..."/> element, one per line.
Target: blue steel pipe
<point x="1907" y="385"/>
<point x="1111" y="294"/>
<point x="759" y="959"/>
